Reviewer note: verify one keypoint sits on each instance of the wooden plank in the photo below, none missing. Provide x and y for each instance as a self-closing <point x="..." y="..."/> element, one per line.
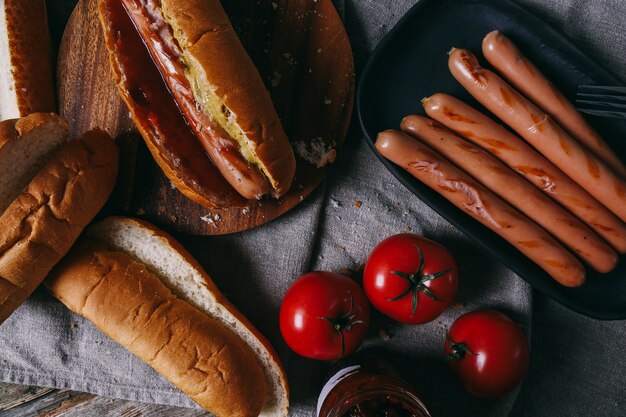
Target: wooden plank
<point x="12" y="396"/>
<point x="23" y="401"/>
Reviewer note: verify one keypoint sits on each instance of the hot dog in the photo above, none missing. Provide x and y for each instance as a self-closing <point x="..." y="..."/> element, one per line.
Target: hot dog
<point x="215" y="86"/>
<point x="506" y="184"/>
<point x="474" y="199"/>
<point x="510" y="149"/>
<point x="507" y="59"/>
<point x="540" y="131"/>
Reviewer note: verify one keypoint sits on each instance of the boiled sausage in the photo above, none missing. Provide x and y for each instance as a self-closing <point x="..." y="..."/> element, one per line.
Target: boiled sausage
<point x="474" y="199"/>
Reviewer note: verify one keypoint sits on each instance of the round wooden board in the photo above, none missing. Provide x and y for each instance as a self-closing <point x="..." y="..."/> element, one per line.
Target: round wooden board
<point x="301" y="50"/>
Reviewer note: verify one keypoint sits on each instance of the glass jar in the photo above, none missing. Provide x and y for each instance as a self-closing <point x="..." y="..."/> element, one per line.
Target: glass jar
<point x="369" y="387"/>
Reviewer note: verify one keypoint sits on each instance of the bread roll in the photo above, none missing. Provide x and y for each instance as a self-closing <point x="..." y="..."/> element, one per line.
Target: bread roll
<point x="126" y="265"/>
<point x="26" y="144"/>
<point x="26" y="82"/>
<point x="43" y="222"/>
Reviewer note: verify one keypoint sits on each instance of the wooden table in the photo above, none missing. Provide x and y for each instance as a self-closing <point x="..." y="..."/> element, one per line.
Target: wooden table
<point x="24" y="401"/>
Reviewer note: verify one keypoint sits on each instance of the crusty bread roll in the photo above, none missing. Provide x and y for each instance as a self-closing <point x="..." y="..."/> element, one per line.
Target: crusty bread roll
<point x="43" y="222"/>
<point x="26" y="84"/>
<point x="218" y="92"/>
<point x="178" y="318"/>
<point x="26" y="144"/>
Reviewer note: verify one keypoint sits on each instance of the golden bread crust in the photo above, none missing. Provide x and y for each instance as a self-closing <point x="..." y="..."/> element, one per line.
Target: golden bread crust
<point x="43" y="222"/>
<point x="196" y="353"/>
<point x="31" y="56"/>
<point x="8" y="133"/>
<point x="187" y="166"/>
<point x="14" y="129"/>
<point x="210" y="285"/>
<point x="27" y="144"/>
<point x="220" y="63"/>
<point x="35" y="120"/>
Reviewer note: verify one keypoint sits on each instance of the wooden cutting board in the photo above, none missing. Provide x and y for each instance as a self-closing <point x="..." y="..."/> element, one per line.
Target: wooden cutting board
<point x="304" y="56"/>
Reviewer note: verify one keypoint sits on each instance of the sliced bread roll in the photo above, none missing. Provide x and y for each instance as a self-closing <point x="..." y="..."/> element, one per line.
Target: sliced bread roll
<point x="179" y="317"/>
<point x="26" y="84"/>
<point x="25" y="146"/>
<point x="43" y="222"/>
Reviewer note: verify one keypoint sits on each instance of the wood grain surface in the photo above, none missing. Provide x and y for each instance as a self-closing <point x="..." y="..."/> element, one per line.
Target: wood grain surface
<point x="308" y="69"/>
<point x="22" y="401"/>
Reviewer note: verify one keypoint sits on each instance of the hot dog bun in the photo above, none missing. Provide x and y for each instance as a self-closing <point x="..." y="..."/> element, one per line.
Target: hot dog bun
<point x="226" y="87"/>
<point x="229" y="88"/>
<point x="198" y="320"/>
<point x="26" y="84"/>
<point x="42" y="223"/>
<point x="26" y="144"/>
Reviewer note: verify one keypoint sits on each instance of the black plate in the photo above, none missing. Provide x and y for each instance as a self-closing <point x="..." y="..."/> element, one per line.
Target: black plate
<point x="411" y="63"/>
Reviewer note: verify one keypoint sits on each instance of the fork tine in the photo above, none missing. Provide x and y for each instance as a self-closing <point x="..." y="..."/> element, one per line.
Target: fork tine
<point x="605" y="101"/>
<point x="601" y="103"/>
<point x="601" y="96"/>
<point x="613" y="89"/>
<point x="605" y="113"/>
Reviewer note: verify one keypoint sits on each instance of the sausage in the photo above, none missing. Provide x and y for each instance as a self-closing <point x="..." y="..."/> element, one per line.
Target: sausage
<point x="474" y="199"/>
<point x="507" y="59"/>
<point x="513" y="151"/>
<point x="506" y="184"/>
<point x="540" y="131"/>
<point x="220" y="147"/>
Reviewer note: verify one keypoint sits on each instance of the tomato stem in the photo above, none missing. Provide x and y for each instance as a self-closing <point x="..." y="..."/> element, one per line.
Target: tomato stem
<point x="458" y="350"/>
<point x="344" y="322"/>
<point x="417" y="283"/>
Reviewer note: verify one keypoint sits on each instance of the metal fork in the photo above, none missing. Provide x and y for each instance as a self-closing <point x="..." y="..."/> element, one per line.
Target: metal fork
<point x="603" y="101"/>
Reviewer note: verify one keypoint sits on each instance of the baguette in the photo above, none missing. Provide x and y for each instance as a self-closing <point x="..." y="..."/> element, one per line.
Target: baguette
<point x="26" y="84"/>
<point x="43" y="222"/>
<point x="179" y="318"/>
<point x="216" y="88"/>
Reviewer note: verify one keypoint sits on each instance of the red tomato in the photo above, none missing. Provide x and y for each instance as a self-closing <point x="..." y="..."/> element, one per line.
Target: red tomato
<point x="324" y="316"/>
<point x="410" y="278"/>
<point x="488" y="352"/>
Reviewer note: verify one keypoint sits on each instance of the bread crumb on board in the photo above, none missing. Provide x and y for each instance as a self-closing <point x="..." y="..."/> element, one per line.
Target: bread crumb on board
<point x="357" y="204"/>
<point x="211" y="219"/>
<point x="316" y="151"/>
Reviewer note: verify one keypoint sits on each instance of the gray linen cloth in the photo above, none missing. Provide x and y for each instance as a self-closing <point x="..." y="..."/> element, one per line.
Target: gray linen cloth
<point x="577" y="367"/>
<point x="44" y="344"/>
